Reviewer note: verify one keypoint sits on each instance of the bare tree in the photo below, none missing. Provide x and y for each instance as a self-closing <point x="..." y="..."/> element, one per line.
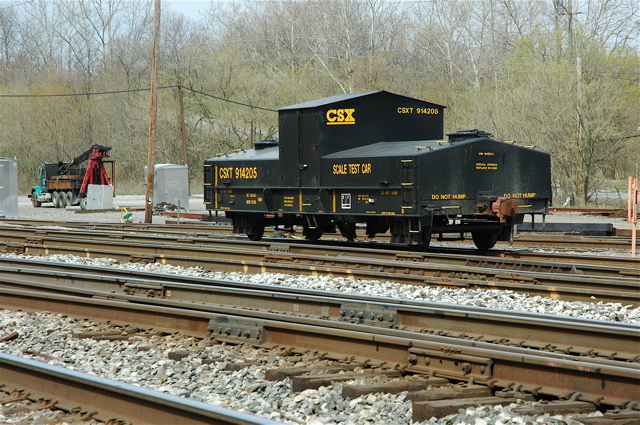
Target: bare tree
<point x="8" y="34"/>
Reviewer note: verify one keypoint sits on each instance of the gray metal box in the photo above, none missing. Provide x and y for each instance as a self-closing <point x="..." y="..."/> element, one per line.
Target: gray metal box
<point x="99" y="197"/>
<point x="171" y="185"/>
<point x="8" y="188"/>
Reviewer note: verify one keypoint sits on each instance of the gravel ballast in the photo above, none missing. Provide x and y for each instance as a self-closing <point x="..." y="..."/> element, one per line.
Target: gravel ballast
<point x="144" y="361"/>
<point x="492" y="299"/>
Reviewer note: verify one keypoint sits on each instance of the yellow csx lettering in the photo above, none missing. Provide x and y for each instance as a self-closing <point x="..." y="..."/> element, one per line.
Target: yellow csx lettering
<point x="226" y="172"/>
<point x="340" y="116"/>
<point x="238" y="173"/>
<point x="246" y="173"/>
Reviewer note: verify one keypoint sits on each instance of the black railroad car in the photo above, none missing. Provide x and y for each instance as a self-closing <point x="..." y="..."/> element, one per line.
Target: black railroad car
<point x="379" y="160"/>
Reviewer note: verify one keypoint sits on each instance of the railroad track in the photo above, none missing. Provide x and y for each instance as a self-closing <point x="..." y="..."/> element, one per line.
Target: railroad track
<point x="151" y="234"/>
<point x="579" y="281"/>
<point x="427" y="327"/>
<point x="308" y="322"/>
<point x="561" y="241"/>
<point x="87" y="398"/>
<point x="535" y="331"/>
<point x="203" y="233"/>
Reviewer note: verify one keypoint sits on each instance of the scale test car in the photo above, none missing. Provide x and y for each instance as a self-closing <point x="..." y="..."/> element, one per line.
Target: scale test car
<point x="379" y="160"/>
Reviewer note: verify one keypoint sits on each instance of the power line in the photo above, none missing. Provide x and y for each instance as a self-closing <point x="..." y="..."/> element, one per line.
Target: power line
<point x="136" y="90"/>
<point x="230" y="101"/>
<point x="80" y="94"/>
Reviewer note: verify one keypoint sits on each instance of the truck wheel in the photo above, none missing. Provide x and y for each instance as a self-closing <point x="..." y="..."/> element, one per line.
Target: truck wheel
<point x="347" y="230"/>
<point x="83" y="203"/>
<point x="72" y="199"/>
<point x="56" y="199"/>
<point x="255" y="232"/>
<point x="34" y="200"/>
<point x="64" y="200"/>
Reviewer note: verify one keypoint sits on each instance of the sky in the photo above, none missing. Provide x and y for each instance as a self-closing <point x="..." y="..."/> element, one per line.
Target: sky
<point x="191" y="8"/>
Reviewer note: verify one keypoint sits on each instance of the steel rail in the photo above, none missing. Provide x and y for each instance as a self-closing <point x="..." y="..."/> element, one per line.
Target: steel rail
<point x="564" y="334"/>
<point x="575" y="242"/>
<point x="503" y="259"/>
<point x="557" y="240"/>
<point x="208" y="230"/>
<point x="601" y="211"/>
<point x="602" y="382"/>
<point x="112" y="400"/>
<point x="565" y="286"/>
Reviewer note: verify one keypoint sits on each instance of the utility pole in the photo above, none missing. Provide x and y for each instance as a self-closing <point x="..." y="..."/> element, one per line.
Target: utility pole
<point x="148" y="208"/>
<point x="569" y="12"/>
<point x="182" y="130"/>
<point x="575" y="58"/>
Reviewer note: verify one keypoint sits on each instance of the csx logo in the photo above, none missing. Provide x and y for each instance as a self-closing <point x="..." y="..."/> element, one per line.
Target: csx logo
<point x="340" y="116"/>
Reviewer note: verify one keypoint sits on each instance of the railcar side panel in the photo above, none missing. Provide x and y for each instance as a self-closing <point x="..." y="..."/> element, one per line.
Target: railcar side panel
<point x="470" y="174"/>
<point x="237" y="181"/>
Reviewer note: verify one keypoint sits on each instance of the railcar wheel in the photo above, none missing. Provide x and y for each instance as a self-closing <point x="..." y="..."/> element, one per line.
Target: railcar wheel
<point x="347" y="230"/>
<point x="34" y="200"/>
<point x="374" y="227"/>
<point x="255" y="232"/>
<point x="485" y="239"/>
<point x="425" y="240"/>
<point x="312" y="234"/>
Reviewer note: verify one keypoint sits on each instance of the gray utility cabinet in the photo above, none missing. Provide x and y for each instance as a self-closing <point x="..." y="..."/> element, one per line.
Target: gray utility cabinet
<point x="99" y="197"/>
<point x="170" y="184"/>
<point x="8" y="188"/>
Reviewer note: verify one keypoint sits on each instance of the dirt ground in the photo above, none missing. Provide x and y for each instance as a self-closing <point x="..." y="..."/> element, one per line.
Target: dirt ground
<point x="122" y="205"/>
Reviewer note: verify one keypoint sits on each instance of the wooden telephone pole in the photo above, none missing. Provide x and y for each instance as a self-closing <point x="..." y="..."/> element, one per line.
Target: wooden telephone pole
<point x="182" y="130"/>
<point x="148" y="208"/>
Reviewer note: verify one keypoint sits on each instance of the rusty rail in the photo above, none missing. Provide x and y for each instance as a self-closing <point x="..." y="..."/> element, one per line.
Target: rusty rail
<point x="156" y="235"/>
<point x="566" y="282"/>
<point x="111" y="400"/>
<point x="522" y="239"/>
<point x="599" y="381"/>
<point x="542" y="332"/>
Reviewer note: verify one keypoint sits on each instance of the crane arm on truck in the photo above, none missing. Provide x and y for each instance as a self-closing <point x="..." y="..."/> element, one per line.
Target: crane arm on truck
<point x="95" y="174"/>
<point x="93" y="151"/>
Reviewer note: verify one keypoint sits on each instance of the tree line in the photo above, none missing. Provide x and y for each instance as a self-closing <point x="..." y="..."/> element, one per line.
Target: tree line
<point x="563" y="75"/>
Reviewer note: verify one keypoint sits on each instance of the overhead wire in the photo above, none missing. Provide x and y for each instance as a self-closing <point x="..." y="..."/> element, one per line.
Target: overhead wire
<point x="81" y="94"/>
<point x="137" y="90"/>
<point x="229" y="101"/>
